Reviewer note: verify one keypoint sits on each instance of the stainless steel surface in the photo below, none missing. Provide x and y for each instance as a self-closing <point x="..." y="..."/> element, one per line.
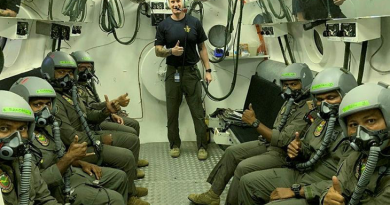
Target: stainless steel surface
<point x="170" y="180"/>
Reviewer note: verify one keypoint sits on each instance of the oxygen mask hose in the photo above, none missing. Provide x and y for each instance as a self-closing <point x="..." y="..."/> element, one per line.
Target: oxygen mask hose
<point x="93" y="88"/>
<point x="324" y="145"/>
<point x="364" y="180"/>
<point x="25" y="179"/>
<point x="283" y="121"/>
<point x="96" y="143"/>
<point x="60" y="153"/>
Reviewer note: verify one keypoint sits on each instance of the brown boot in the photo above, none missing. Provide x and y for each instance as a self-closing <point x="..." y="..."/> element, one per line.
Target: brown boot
<point x="136" y="201"/>
<point x="207" y="198"/>
<point x="141" y="191"/>
<point x="142" y="163"/>
<point x="140" y="174"/>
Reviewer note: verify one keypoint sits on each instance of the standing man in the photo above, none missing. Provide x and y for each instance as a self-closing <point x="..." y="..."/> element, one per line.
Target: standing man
<point x="180" y="34"/>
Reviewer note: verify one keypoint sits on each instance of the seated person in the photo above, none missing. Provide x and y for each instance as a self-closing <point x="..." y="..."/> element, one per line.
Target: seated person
<point x="59" y="168"/>
<point x="87" y="92"/>
<point x="247" y="157"/>
<point x="20" y="180"/>
<point x="316" y="9"/>
<point x="363" y="178"/>
<point x="315" y="157"/>
<point x="58" y="68"/>
<point x="9" y="8"/>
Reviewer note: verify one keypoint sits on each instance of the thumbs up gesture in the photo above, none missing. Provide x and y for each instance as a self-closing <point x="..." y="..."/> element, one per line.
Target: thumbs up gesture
<point x="294" y="147"/>
<point x="249" y="115"/>
<point x="77" y="151"/>
<point x="123" y="100"/>
<point x="177" y="50"/>
<point x="334" y="197"/>
<point x="112" y="106"/>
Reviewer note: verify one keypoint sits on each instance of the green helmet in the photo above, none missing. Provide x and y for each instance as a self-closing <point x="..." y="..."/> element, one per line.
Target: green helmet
<point x="365" y="97"/>
<point x="15" y="108"/>
<point x="331" y="79"/>
<point x="57" y="59"/>
<point x="33" y="87"/>
<point x="297" y="71"/>
<point x="82" y="57"/>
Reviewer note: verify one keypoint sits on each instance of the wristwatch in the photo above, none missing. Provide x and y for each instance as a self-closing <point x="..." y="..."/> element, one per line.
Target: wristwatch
<point x="256" y="123"/>
<point x="296" y="188"/>
<point x="170" y="51"/>
<point x="208" y="70"/>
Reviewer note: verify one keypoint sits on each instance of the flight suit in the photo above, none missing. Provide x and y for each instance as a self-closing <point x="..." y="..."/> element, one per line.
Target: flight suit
<point x="113" y="184"/>
<point x="11" y="173"/>
<point x="112" y="156"/>
<point x="377" y="191"/>
<point x="129" y="125"/>
<point x="72" y="125"/>
<point x="247" y="157"/>
<point x="256" y="187"/>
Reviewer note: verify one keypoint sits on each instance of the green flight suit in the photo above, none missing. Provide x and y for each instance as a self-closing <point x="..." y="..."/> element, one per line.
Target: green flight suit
<point x="130" y="125"/>
<point x="247" y="157"/>
<point x="378" y="190"/>
<point x="114" y="186"/>
<point x="120" y="139"/>
<point x="39" y="193"/>
<point x="256" y="187"/>
<point x="112" y="156"/>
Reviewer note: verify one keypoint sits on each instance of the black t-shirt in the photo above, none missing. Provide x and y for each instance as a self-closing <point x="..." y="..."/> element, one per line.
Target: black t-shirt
<point x="188" y="31"/>
<point x="10" y="4"/>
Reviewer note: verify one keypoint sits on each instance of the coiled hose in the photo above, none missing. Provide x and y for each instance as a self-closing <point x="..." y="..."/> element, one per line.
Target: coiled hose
<point x="283" y="121"/>
<point x="75" y="8"/>
<point x="193" y="6"/>
<point x="25" y="179"/>
<point x="60" y="154"/>
<point x="364" y="180"/>
<point x="324" y="145"/>
<point x="96" y="146"/>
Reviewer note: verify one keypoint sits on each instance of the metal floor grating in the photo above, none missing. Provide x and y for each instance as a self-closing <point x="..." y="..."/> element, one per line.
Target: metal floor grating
<point x="170" y="180"/>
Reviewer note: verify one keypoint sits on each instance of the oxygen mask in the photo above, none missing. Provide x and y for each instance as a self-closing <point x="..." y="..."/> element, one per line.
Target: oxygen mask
<point x="364" y="139"/>
<point x="12" y="146"/>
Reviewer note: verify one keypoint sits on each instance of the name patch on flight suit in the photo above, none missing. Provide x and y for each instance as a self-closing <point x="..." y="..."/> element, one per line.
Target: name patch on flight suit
<point x="5" y="183"/>
<point x="283" y="110"/>
<point x="80" y="91"/>
<point x="42" y="140"/>
<point x="320" y="128"/>
<point x="360" y="169"/>
<point x="68" y="99"/>
<point x="90" y="93"/>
